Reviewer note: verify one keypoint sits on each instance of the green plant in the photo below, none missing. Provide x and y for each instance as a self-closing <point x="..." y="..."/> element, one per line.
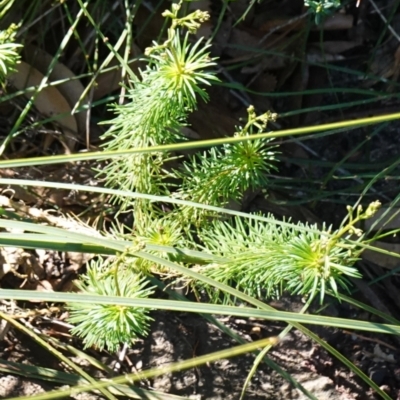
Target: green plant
<point x="162" y="96"/>
<point x="180" y="229"/>
<point x="259" y="259"/>
<point x="223" y="174"/>
<point x="9" y="56"/>
<point x="322" y="8"/>
<point x="262" y="260"/>
<point x="107" y="326"/>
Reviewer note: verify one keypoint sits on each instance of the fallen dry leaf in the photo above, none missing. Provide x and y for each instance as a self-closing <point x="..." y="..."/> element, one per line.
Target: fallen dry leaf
<point x="49" y="101"/>
<point x="337" y="21"/>
<point x="384" y="260"/>
<point x="335" y="46"/>
<point x="71" y="88"/>
<point x="385" y="217"/>
<point x="388" y="219"/>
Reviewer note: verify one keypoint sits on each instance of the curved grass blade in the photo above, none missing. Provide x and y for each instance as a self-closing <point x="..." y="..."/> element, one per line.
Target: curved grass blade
<point x="178" y="366"/>
<point x="103" y="155"/>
